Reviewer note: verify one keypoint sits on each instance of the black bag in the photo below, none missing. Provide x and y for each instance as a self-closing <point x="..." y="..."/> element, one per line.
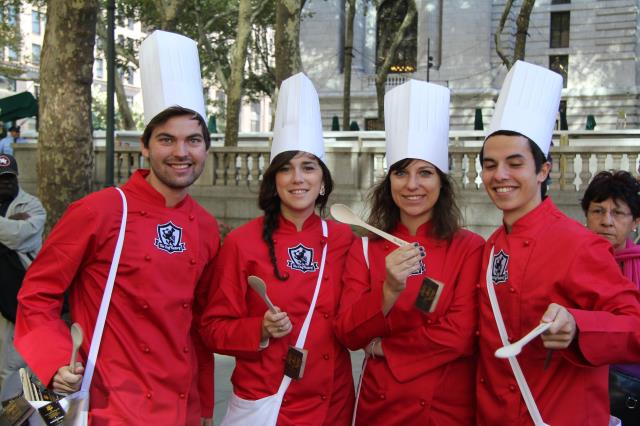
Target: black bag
<point x="624" y="396"/>
<point x="11" y="275"/>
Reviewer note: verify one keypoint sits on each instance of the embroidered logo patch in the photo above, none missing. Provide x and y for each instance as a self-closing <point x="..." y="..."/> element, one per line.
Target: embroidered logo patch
<point x="170" y="238"/>
<point x="4" y="161"/>
<point x="420" y="269"/>
<point x="301" y="259"/>
<point x="500" y="267"/>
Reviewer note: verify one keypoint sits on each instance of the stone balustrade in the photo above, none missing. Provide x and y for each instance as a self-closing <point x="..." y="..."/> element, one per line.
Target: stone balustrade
<point x="229" y="184"/>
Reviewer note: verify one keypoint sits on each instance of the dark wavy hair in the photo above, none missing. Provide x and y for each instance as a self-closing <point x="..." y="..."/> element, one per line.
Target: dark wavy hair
<point x="269" y="202"/>
<point x="538" y="157"/>
<point x="618" y="185"/>
<point x="385" y="214"/>
<point x="167" y="114"/>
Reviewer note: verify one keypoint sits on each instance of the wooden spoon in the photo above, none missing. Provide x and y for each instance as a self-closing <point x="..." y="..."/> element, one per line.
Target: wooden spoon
<point x="344" y="214"/>
<point x="76" y="338"/>
<point x="515" y="348"/>
<point x="260" y="287"/>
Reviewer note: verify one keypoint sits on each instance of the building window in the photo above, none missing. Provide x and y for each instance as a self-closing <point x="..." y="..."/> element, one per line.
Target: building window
<point x="560" y="64"/>
<point x="255" y="117"/>
<point x="130" y="23"/>
<point x="99" y="68"/>
<point x="35" y="22"/>
<point x="12" y="16"/>
<point x="391" y="13"/>
<point x="12" y="55"/>
<point x="373" y="124"/>
<point x="130" y="101"/>
<point x="35" y="53"/>
<point x="129" y="75"/>
<point x="559" y="29"/>
<point x="560" y="1"/>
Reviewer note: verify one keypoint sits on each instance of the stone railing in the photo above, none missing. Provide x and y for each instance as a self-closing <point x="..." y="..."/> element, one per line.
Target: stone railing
<point x="229" y="184"/>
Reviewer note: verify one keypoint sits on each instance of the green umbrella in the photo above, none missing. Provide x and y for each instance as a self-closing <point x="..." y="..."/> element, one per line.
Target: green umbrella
<point x="354" y="126"/>
<point x="477" y="122"/>
<point x="18" y="106"/>
<point x="335" y="124"/>
<point x="591" y="122"/>
<point x="212" y="126"/>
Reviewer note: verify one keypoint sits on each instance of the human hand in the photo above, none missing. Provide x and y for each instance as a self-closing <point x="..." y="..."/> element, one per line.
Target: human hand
<point x="374" y="348"/>
<point x="276" y="324"/>
<point x="562" y="330"/>
<point x="19" y="216"/>
<point x="400" y="264"/>
<point x="67" y="381"/>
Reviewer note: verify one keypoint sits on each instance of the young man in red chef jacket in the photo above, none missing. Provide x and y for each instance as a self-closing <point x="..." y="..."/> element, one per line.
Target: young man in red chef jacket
<point x="545" y="268"/>
<point x="151" y="367"/>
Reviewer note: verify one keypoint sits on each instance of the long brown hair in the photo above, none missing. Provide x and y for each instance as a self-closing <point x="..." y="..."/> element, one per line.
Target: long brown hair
<point x="269" y="202"/>
<point x="385" y="214"/>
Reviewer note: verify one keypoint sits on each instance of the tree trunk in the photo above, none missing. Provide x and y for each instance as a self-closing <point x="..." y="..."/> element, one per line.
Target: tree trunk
<point x="348" y="58"/>
<point x="234" y="89"/>
<point x="126" y="118"/>
<point x="522" y="28"/>
<point x="287" y="39"/>
<point x="65" y="145"/>
<point x="389" y="56"/>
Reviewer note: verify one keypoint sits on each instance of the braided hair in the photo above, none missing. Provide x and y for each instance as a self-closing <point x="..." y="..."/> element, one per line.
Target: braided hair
<point x="269" y="202"/>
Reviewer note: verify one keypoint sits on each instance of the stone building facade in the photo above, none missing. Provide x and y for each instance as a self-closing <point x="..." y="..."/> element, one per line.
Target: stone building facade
<point x="594" y="42"/>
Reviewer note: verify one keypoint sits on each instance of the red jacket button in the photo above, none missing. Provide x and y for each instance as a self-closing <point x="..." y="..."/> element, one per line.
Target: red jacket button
<point x="192" y="261"/>
<point x="512" y="388"/>
<point x="185" y="305"/>
<point x="185" y="350"/>
<point x="325" y="356"/>
<point x="422" y="402"/>
<point x="148" y="395"/>
<point x="323" y="397"/>
<point x="326" y="316"/>
<point x="181" y="396"/>
<point x="147" y="258"/>
<point x="191" y="217"/>
<point x="382" y="396"/>
<point x="143" y="213"/>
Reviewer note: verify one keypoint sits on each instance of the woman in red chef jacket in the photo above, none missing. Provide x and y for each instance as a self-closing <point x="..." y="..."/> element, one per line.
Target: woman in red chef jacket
<point x="286" y="249"/>
<point x="420" y="366"/>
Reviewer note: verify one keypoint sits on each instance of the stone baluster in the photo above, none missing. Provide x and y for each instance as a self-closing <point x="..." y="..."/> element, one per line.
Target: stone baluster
<point x="473" y="171"/>
<point x="254" y="171"/>
<point x="455" y="167"/>
<point x="601" y="159"/>
<point x="568" y="172"/>
<point x="243" y="173"/>
<point x="617" y="161"/>
<point x="556" y="172"/>
<point x="219" y="174"/>
<point x="585" y="173"/>
<point x="378" y="168"/>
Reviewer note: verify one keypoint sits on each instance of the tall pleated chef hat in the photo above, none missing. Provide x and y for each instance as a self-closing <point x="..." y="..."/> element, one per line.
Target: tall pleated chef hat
<point x="298" y="125"/>
<point x="528" y="103"/>
<point x="170" y="74"/>
<point x="416" y="121"/>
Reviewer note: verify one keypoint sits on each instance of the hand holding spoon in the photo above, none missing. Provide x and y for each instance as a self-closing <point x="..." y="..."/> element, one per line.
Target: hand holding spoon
<point x="344" y="214"/>
<point x="76" y="338"/>
<point x="515" y="348"/>
<point x="260" y="287"/>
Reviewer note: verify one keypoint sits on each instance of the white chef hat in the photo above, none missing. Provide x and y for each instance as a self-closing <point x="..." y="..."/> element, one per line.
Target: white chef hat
<point x="416" y="121"/>
<point x="170" y="74"/>
<point x="298" y="126"/>
<point x="528" y="103"/>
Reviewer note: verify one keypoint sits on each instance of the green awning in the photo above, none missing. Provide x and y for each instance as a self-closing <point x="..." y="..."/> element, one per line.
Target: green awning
<point x="18" y="106"/>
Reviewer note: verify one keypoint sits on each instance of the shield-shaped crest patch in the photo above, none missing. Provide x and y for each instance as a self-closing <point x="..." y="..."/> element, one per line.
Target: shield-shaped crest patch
<point x="500" y="267"/>
<point x="301" y="259"/>
<point x="170" y="238"/>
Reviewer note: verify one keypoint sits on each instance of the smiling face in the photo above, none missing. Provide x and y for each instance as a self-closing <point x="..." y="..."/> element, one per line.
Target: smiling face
<point x="415" y="190"/>
<point x="298" y="184"/>
<point x="176" y="153"/>
<point x="509" y="176"/>
<point x="611" y="219"/>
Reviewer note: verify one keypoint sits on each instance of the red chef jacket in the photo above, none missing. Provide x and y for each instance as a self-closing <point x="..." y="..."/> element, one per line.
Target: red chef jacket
<point x="548" y="257"/>
<point x="232" y="321"/>
<point x="427" y="374"/>
<point x="151" y="362"/>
